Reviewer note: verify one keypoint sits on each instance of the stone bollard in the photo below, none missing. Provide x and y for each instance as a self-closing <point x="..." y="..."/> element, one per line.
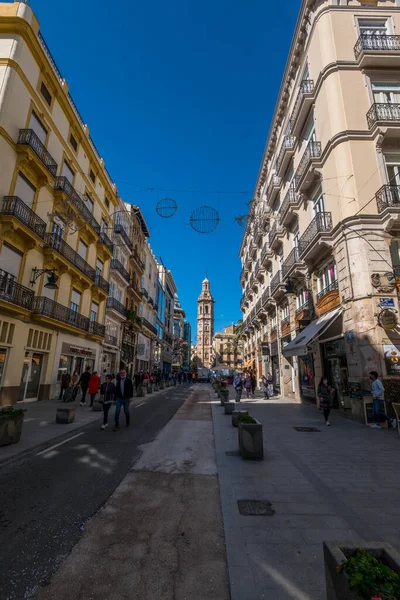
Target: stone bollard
<point x="162" y="386"/>
<point x="156" y="388"/>
<point x="229" y="407"/>
<point x="139" y="391"/>
<point x="149" y="389"/>
<point x="251" y="440"/>
<point x="65" y="415"/>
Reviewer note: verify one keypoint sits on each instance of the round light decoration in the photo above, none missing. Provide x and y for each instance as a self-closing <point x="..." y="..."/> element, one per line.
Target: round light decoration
<point x="166" y="208"/>
<point x="204" y="219"/>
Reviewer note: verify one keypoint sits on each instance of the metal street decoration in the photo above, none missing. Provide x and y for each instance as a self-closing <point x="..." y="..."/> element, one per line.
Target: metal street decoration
<point x="387" y="319"/>
<point x="204" y="219"/>
<point x="166" y="208"/>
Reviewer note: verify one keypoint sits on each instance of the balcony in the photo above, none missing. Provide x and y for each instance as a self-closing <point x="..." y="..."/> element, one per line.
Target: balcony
<point x="291" y="261"/>
<point x="133" y="286"/>
<point x="304" y="308"/>
<point x="144" y="293"/>
<point x="276" y="283"/>
<point x="13" y="293"/>
<point x="44" y="307"/>
<point x="96" y="329"/>
<point x="266" y="254"/>
<point x="332" y="287"/>
<point x="120" y="230"/>
<point x="149" y="326"/>
<point x="259" y="270"/>
<point x="266" y="296"/>
<point x="138" y="261"/>
<point x="305" y="175"/>
<point x="117" y="266"/>
<point x="304" y="100"/>
<point x="114" y="304"/>
<point x="13" y="209"/>
<point x="52" y="241"/>
<point x="286" y="214"/>
<point x="273" y="189"/>
<point x="285" y="325"/>
<point x="43" y="163"/>
<point x="102" y="283"/>
<point x="105" y="241"/>
<point x="111" y="340"/>
<point x="285" y="154"/>
<point x="62" y="184"/>
<point x="276" y="232"/>
<point x="377" y="50"/>
<point x="320" y="226"/>
<point x="383" y="114"/>
<point x="388" y="197"/>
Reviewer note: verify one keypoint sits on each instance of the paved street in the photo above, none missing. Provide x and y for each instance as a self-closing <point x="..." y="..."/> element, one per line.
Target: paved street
<point x="46" y="499"/>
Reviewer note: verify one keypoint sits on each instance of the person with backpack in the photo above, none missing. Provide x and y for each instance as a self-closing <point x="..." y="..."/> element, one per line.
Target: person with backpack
<point x="107" y="394"/>
<point x="123" y="396"/>
<point x="84" y="382"/>
<point x="238" y="385"/>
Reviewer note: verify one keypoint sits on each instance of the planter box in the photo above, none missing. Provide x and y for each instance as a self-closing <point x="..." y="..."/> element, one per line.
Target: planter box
<point x="224" y="397"/>
<point x="229" y="407"/>
<point x="10" y="429"/>
<point x="337" y="584"/>
<point x="97" y="406"/>
<point x="251" y="440"/>
<point x="139" y="391"/>
<point x="235" y="416"/>
<point x="65" y="415"/>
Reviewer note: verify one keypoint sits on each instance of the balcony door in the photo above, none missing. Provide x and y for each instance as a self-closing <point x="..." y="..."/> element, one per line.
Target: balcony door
<point x="372" y="26"/>
<point x="386" y="93"/>
<point x="30" y="378"/>
<point x="74" y="305"/>
<point x="37" y="126"/>
<point x="67" y="172"/>
<point x="24" y="190"/>
<point x="392" y="162"/>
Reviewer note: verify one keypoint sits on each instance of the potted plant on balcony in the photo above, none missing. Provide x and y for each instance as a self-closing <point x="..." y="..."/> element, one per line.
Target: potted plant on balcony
<point x="250" y="437"/>
<point x="11" y="421"/>
<point x="361" y="570"/>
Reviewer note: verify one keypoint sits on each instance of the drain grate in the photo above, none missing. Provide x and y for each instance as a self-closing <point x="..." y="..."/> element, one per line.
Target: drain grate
<point x="233" y="453"/>
<point x="255" y="508"/>
<point x="307" y="429"/>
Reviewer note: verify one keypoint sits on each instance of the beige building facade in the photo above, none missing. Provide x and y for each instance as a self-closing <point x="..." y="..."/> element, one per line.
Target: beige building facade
<point x="205" y="325"/>
<point x="320" y="253"/>
<point x="227" y="348"/>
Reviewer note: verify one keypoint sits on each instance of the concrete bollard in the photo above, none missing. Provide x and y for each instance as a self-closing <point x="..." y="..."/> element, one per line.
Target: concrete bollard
<point x="139" y="391"/>
<point x="65" y="415"/>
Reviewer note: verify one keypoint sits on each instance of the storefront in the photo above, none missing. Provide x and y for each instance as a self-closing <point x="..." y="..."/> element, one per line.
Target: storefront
<point x="75" y="358"/>
<point x="275" y="368"/>
<point x="333" y="353"/>
<point x="306" y="377"/>
<point x="143" y="353"/>
<point x="31" y="377"/>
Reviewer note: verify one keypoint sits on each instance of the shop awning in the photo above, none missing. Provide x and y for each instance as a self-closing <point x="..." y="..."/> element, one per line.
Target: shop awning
<point x="248" y="363"/>
<point x="299" y="346"/>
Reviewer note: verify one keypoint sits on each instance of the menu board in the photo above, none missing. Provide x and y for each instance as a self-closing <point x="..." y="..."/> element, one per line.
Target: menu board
<point x="355" y="390"/>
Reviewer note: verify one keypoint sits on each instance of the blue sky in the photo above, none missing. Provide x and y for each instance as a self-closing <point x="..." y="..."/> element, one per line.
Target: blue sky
<point x="178" y="95"/>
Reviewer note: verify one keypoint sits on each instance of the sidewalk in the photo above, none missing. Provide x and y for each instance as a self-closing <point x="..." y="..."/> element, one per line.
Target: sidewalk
<point x="40" y="427"/>
<point x="340" y="483"/>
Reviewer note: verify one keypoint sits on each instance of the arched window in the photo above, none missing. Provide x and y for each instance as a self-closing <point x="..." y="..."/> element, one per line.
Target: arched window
<point x="206" y="309"/>
<point x="200" y="311"/>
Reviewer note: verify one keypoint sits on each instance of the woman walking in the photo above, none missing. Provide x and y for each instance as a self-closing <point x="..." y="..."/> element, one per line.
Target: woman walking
<point x="253" y="384"/>
<point x="94" y="386"/>
<point x="107" y="392"/>
<point x="75" y="385"/>
<point x="325" y="398"/>
<point x="247" y="385"/>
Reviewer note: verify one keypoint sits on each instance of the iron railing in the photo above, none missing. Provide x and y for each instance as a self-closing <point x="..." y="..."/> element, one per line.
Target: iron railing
<point x="105" y="240"/>
<point x="285" y="321"/>
<point x="110" y="339"/>
<point x="102" y="283"/>
<point x="266" y="295"/>
<point x="12" y="205"/>
<point x="266" y="250"/>
<point x="276" y="281"/>
<point x="49" y="56"/>
<point x="27" y="137"/>
<point x="149" y="326"/>
<point x="258" y="305"/>
<point x="290" y="198"/>
<point x="329" y="288"/>
<point x="139" y="261"/>
<point x="276" y="229"/>
<point x="288" y="143"/>
<point x="58" y="312"/>
<point x="55" y="242"/>
<point x="12" y="291"/>
<point x="305" y="306"/>
<point x="291" y="260"/>
<point x="257" y="267"/>
<point x="312" y="151"/>
<point x="275" y="182"/>
<point x="119" y="228"/>
<point x="386" y="112"/>
<point x="62" y="184"/>
<point x="115" y="264"/>
<point x="306" y="87"/>
<point x="388" y="195"/>
<point x="381" y="43"/>
<point x="117" y="305"/>
<point x="321" y="223"/>
<point x="96" y="328"/>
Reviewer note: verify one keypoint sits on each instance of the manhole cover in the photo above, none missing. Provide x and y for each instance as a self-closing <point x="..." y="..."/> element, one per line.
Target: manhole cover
<point x="255" y="508"/>
<point x="307" y="429"/>
<point x="233" y="453"/>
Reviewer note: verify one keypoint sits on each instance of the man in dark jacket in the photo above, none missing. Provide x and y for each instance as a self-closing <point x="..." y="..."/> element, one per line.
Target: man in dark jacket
<point x="84" y="382"/>
<point x="123" y="396"/>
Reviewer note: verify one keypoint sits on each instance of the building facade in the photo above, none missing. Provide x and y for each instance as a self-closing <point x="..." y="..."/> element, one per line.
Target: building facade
<point x="320" y="252"/>
<point x="179" y="343"/>
<point x="187" y="358"/>
<point x="227" y="348"/>
<point x="205" y="324"/>
<point x="148" y="312"/>
<point x="169" y="289"/>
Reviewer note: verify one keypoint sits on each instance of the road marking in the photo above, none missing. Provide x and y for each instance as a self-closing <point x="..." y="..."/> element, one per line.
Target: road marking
<point x="60" y="444"/>
<point x="141" y="404"/>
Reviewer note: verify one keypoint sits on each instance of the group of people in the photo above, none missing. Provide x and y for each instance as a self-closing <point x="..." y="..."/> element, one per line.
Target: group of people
<point x="248" y="382"/>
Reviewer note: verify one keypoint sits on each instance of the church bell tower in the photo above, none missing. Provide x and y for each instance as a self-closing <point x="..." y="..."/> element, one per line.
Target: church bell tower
<point x="205" y="324"/>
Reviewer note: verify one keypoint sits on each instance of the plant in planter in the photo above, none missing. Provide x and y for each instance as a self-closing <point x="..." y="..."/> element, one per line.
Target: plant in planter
<point x="11" y="420"/>
<point x="250" y="437"/>
<point x="235" y="416"/>
<point x="369" y="576"/>
<point x="224" y="396"/>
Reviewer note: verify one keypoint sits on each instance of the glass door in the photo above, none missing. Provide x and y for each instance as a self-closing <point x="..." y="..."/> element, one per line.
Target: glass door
<point x="393" y="176"/>
<point x="30" y="377"/>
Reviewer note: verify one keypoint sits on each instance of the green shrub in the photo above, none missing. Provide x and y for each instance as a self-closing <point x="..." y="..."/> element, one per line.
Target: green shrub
<point x="246" y="418"/>
<point x="369" y="576"/>
<point x="11" y="411"/>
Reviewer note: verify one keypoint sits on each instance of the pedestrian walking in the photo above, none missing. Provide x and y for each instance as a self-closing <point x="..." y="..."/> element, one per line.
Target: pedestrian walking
<point x="123" y="396"/>
<point x="107" y="395"/>
<point x="65" y="383"/>
<point x="103" y="376"/>
<point x="253" y="384"/>
<point x="264" y="387"/>
<point x="146" y="380"/>
<point x="325" y="393"/>
<point x="94" y="386"/>
<point x="270" y="385"/>
<point x="85" y="377"/>
<point x="247" y="385"/>
<point x="75" y="385"/>
<point x="238" y="385"/>
<point x="378" y="395"/>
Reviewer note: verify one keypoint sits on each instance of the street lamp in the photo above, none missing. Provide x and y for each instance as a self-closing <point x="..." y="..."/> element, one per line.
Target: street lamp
<point x="52" y="278"/>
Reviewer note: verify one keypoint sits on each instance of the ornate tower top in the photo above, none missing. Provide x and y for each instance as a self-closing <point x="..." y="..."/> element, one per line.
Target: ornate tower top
<point x="205" y="324"/>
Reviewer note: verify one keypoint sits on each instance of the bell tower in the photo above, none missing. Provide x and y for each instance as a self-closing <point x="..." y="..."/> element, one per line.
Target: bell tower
<point x="205" y="324"/>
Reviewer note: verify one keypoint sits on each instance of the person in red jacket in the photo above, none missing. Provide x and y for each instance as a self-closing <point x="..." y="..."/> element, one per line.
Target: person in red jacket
<point x="94" y="386"/>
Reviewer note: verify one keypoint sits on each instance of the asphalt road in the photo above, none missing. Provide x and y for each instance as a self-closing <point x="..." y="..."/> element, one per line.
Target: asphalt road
<point x="45" y="499"/>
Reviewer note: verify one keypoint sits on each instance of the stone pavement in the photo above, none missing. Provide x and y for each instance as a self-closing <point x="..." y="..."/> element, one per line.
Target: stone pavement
<point x="340" y="483"/>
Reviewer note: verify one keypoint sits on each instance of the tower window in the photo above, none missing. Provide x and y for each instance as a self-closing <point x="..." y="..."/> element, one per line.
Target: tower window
<point x="206" y="310"/>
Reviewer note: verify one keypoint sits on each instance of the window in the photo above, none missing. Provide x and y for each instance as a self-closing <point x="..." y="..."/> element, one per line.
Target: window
<point x="285" y="312"/>
<point x="10" y="259"/>
<point x="46" y="94"/>
<point x="118" y="294"/>
<point x="147" y="315"/>
<point x="206" y="309"/>
<point x="302" y="299"/>
<point x="107" y="203"/>
<point x="111" y="291"/>
<point x="89" y="203"/>
<point x="274" y="321"/>
<point x="99" y="266"/>
<point x="75" y="300"/>
<point x="58" y="229"/>
<point x="67" y="172"/>
<point x="104" y="226"/>
<point x="141" y="309"/>
<point x="327" y="278"/>
<point x="93" y="312"/>
<point x="295" y="238"/>
<point x="308" y="133"/>
<point x="25" y="190"/>
<point x="200" y="310"/>
<point x="92" y="175"/>
<point x="318" y="205"/>
<point x="82" y="249"/>
<point x="150" y="272"/>
<point x="73" y="142"/>
<point x="36" y="124"/>
<point x="372" y="26"/>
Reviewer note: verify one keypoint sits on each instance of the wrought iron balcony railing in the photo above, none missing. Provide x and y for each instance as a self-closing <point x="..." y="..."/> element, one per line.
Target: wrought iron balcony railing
<point x="120" y="230"/>
<point x="144" y="292"/>
<point x="105" y="240"/>
<point x="115" y="264"/>
<point x="117" y="305"/>
<point x="274" y="183"/>
<point x="266" y="295"/>
<point x="303" y="307"/>
<point x="321" y="223"/>
<point x="285" y="321"/>
<point x="276" y="281"/>
<point x="62" y="184"/>
<point x="329" y="288"/>
<point x="14" y="206"/>
<point x="312" y="151"/>
<point x="27" y="137"/>
<point x="55" y="242"/>
<point x="290" y="198"/>
<point x="96" y="328"/>
<point x="11" y="291"/>
<point x="149" y="326"/>
<point x="379" y="112"/>
<point x="376" y="43"/>
<point x="291" y="260"/>
<point x="306" y="87"/>
<point x="102" y="283"/>
<point x="137" y="258"/>
<point x="110" y="339"/>
<point x="388" y="195"/>
<point x="287" y="144"/>
<point x="58" y="312"/>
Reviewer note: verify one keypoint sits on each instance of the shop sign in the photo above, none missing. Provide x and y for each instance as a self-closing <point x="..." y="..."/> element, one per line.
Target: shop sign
<point x="355" y="390"/>
<point x="392" y="359"/>
<point x="387" y="319"/>
<point x="143" y="348"/>
<point x="386" y="302"/>
<point x="265" y="348"/>
<point x="77" y="350"/>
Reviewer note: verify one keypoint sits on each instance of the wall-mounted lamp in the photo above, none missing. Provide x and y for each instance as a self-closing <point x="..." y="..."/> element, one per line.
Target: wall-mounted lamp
<point x="52" y="278"/>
